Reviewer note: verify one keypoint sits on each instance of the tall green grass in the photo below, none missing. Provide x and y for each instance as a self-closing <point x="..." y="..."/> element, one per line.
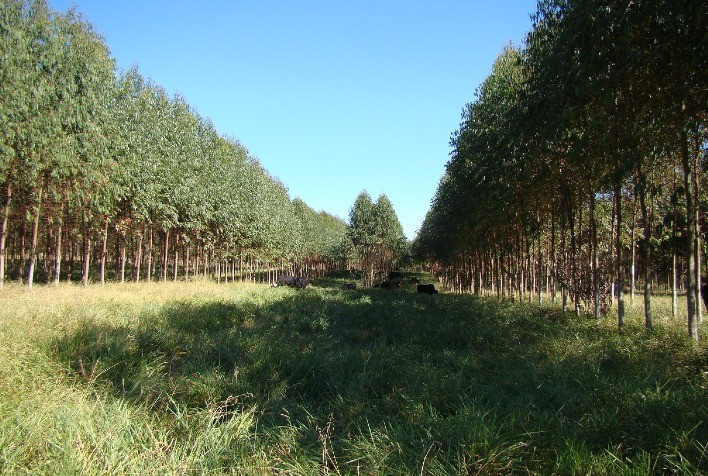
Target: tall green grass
<point x="203" y="378"/>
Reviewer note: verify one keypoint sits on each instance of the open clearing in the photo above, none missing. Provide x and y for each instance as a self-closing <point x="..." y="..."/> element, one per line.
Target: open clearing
<point x="202" y="378"/>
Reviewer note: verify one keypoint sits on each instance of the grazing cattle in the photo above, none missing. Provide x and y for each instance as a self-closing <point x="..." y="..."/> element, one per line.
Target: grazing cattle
<point x="704" y="290"/>
<point x="350" y="286"/>
<point x="426" y="288"/>
<point x="301" y="282"/>
<point x="390" y="284"/>
<point x="285" y="281"/>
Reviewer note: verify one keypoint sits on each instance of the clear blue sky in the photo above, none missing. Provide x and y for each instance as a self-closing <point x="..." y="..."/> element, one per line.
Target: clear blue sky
<point x="332" y="97"/>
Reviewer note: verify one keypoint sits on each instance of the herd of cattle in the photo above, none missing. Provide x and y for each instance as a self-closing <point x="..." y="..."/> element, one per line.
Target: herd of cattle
<point x="299" y="282"/>
<point x="394" y="281"/>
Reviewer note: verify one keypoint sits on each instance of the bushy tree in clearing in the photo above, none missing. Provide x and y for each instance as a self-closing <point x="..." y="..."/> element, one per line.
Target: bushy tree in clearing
<point x="376" y="235"/>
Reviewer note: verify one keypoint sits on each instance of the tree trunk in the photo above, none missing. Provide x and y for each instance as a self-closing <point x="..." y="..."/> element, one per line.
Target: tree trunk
<point x="138" y="257"/>
<point x="35" y="233"/>
<point x="647" y="249"/>
<point x="573" y="265"/>
<point x="123" y="253"/>
<point x="176" y="247"/>
<point x="618" y="251"/>
<point x="690" y="242"/>
<point x="697" y="207"/>
<point x="150" y="251"/>
<point x="165" y="255"/>
<point x="186" y="260"/>
<point x="86" y="249"/>
<point x="633" y="245"/>
<point x="57" y="252"/>
<point x="70" y="247"/>
<point x="553" y="259"/>
<point x="104" y="251"/>
<point x="3" y="231"/>
<point x="674" y="250"/>
<point x="595" y="260"/>
<point x="205" y="263"/>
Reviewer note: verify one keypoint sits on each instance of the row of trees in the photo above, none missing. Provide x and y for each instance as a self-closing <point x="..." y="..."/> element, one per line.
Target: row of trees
<point x="581" y="161"/>
<point x="376" y="236"/>
<point x="106" y="174"/>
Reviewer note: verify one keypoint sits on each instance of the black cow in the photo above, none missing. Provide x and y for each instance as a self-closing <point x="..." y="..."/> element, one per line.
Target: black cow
<point x="348" y="286"/>
<point x="704" y="290"/>
<point x="395" y="275"/>
<point x="285" y="281"/>
<point x="301" y="282"/>
<point x="394" y="283"/>
<point x="426" y="288"/>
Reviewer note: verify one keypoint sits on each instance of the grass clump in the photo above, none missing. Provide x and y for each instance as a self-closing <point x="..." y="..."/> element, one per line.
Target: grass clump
<point x="242" y="379"/>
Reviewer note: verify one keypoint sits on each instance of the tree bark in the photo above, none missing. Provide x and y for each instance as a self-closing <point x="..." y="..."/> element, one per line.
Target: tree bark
<point x="690" y="252"/>
<point x="70" y="250"/>
<point x="138" y="257"/>
<point x="104" y="251"/>
<point x="633" y="245"/>
<point x="647" y="249"/>
<point x="186" y="261"/>
<point x="3" y="231"/>
<point x="123" y="253"/>
<point x="35" y="233"/>
<point x="697" y="207"/>
<point x="618" y="251"/>
<point x="165" y="255"/>
<point x="595" y="261"/>
<point x="176" y="263"/>
<point x="150" y="251"/>
<point x="86" y="259"/>
<point x="57" y="252"/>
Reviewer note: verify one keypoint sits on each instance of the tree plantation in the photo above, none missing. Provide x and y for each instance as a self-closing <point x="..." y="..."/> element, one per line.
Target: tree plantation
<point x="578" y="170"/>
<point x="105" y="176"/>
<point x="567" y="237"/>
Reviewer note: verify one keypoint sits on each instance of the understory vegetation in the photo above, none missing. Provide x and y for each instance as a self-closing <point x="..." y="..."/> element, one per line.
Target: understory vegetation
<point x="207" y="378"/>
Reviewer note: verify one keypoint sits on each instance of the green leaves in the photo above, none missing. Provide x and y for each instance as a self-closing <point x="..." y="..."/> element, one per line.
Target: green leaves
<point x="120" y="149"/>
<point x="376" y="233"/>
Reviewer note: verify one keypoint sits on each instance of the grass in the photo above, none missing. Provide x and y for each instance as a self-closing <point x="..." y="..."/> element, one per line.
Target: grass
<point x="202" y="378"/>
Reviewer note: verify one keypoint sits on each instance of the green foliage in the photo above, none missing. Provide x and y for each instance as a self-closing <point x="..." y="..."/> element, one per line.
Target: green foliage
<point x="203" y="378"/>
<point x="575" y="146"/>
<point x="376" y="234"/>
<point x="85" y="147"/>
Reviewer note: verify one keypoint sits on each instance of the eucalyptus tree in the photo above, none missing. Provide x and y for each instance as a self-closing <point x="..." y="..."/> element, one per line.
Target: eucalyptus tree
<point x="482" y="198"/>
<point x="86" y="154"/>
<point x="17" y="71"/>
<point x="362" y="233"/>
<point x="38" y="142"/>
<point x="87" y="169"/>
<point x="630" y="66"/>
<point x="376" y="234"/>
<point x="390" y="240"/>
<point x="332" y="240"/>
<point x="319" y="238"/>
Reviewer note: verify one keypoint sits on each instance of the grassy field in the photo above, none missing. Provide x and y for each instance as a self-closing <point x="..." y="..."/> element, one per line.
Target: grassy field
<point x="202" y="378"/>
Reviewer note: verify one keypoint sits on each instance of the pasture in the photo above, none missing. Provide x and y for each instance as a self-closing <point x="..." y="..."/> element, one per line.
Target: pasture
<point x="202" y="378"/>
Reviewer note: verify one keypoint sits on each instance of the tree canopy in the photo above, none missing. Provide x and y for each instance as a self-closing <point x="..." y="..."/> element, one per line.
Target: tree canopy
<point x="376" y="235"/>
<point x="576" y="148"/>
<point x="104" y="167"/>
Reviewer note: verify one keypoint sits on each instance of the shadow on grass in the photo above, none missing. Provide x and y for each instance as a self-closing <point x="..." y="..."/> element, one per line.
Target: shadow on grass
<point x="452" y="371"/>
